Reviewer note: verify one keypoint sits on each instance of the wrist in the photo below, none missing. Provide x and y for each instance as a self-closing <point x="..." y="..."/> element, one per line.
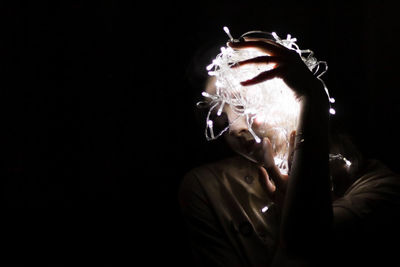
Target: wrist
<point x="315" y="98"/>
<point x="314" y="112"/>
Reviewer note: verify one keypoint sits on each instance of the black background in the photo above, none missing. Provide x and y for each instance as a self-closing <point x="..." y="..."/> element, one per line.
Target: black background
<point x="98" y="113"/>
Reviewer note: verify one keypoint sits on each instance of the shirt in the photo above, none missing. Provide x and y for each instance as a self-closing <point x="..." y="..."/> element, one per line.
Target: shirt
<point x="367" y="219"/>
<point x="228" y="213"/>
<point x="232" y="222"/>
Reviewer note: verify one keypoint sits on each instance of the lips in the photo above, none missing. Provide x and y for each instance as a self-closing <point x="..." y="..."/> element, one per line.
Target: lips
<point x="248" y="146"/>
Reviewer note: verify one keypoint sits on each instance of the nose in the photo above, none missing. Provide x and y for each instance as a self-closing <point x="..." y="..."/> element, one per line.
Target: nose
<point x="239" y="129"/>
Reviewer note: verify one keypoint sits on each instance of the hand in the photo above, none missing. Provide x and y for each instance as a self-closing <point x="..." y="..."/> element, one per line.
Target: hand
<point x="275" y="183"/>
<point x="288" y="66"/>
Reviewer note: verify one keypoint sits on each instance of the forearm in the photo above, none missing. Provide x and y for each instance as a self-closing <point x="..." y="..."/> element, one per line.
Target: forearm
<point x="307" y="214"/>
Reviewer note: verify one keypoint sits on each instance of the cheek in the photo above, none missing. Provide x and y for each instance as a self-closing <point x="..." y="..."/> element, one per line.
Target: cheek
<point x="278" y="137"/>
<point x="232" y="141"/>
<point x="264" y="129"/>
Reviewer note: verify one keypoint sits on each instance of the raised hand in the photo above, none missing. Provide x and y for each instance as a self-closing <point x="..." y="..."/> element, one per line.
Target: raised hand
<point x="275" y="183"/>
<point x="288" y="66"/>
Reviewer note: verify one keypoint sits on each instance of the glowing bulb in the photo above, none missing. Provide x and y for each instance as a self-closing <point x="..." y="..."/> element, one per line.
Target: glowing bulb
<point x="257" y="139"/>
<point x="218" y="84"/>
<point x="205" y="94"/>
<point x="220" y="109"/>
<point x="228" y="33"/>
<point x="263" y="210"/>
<point x="348" y="162"/>
<point x="332" y="111"/>
<point x="340" y="157"/>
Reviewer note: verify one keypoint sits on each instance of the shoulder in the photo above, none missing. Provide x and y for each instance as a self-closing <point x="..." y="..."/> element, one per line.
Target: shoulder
<point x="214" y="173"/>
<point x="194" y="180"/>
<point x="207" y="182"/>
<point x="376" y="179"/>
<point x="366" y="218"/>
<point x="374" y="195"/>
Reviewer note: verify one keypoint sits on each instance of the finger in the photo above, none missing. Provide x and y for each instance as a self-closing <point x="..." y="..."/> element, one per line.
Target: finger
<point x="276" y="176"/>
<point x="272" y="170"/>
<point x="266" y="182"/>
<point x="260" y="45"/>
<point x="268" y="154"/>
<point x="258" y="60"/>
<point x="263" y="76"/>
<point x="292" y="139"/>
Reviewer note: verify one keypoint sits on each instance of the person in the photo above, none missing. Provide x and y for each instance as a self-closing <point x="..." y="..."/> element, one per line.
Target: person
<point x="327" y="211"/>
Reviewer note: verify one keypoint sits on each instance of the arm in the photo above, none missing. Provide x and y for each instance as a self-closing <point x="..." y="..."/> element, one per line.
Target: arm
<point x="307" y="213"/>
<point x="307" y="210"/>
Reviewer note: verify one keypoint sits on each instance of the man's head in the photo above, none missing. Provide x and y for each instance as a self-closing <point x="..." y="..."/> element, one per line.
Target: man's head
<point x="249" y="113"/>
<point x="276" y="120"/>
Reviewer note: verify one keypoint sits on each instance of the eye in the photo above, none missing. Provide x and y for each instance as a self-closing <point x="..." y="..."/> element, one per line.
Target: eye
<point x="239" y="107"/>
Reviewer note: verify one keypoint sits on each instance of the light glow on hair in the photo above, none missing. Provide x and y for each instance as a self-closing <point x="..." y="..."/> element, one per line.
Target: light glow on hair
<point x="270" y="108"/>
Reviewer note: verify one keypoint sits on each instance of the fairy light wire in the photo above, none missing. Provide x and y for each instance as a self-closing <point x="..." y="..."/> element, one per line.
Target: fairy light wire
<point x="250" y="102"/>
<point x="306" y="55"/>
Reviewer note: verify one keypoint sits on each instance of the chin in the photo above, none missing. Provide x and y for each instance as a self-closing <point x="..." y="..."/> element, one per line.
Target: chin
<point x="245" y="148"/>
<point x="254" y="153"/>
<point x="249" y="157"/>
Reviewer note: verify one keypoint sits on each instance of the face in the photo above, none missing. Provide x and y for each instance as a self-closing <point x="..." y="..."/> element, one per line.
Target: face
<point x="239" y="136"/>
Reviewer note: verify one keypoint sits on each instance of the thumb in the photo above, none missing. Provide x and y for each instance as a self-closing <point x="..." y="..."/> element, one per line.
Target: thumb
<point x="268" y="153"/>
<point x="266" y="182"/>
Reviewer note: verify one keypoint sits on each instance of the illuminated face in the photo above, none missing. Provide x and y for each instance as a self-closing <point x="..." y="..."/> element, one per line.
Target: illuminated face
<point x="276" y="118"/>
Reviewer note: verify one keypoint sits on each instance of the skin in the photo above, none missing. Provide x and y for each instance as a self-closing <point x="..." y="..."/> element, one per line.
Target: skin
<point x="305" y="198"/>
<point x="241" y="140"/>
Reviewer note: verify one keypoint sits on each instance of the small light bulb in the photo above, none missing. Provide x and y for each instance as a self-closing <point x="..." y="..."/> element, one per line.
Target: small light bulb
<point x="220" y="109"/>
<point x="348" y="162"/>
<point x="332" y="111"/>
<point x="264" y="209"/>
<point x="228" y="33"/>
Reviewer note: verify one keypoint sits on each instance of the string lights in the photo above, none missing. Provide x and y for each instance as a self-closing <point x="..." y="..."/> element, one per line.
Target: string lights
<point x="269" y="108"/>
